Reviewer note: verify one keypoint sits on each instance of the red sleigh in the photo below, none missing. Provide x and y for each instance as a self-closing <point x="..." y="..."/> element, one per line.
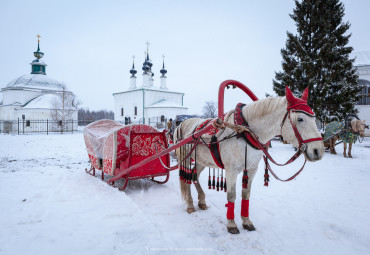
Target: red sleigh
<point x="113" y="147"/>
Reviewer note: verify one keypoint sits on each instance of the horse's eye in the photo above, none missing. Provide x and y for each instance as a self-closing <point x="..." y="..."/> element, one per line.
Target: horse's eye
<point x="300" y="119"/>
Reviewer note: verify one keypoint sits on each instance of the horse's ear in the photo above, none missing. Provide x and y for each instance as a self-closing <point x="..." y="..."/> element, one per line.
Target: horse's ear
<point x="289" y="94"/>
<point x="305" y="94"/>
<point x="354" y="125"/>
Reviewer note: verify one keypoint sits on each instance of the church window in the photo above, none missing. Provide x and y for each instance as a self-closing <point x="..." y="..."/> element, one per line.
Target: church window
<point x="135" y="110"/>
<point x="28" y="123"/>
<point x="121" y="111"/>
<point x="162" y="118"/>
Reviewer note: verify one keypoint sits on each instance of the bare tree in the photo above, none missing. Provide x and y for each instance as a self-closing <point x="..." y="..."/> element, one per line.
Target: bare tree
<point x="64" y="106"/>
<point x="209" y="109"/>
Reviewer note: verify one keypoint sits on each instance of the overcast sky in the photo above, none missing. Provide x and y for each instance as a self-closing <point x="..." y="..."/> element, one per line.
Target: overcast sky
<point x="88" y="45"/>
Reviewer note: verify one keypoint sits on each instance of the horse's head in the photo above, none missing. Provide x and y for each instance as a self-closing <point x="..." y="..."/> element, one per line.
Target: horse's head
<point x="358" y="127"/>
<point x="299" y="127"/>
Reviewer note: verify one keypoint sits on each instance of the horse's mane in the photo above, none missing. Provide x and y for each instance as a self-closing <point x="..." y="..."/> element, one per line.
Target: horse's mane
<point x="264" y="106"/>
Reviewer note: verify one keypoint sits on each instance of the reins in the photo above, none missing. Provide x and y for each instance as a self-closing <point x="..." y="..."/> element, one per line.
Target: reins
<point x="302" y="143"/>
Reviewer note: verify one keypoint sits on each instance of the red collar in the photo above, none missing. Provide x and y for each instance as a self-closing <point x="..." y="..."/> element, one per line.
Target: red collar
<point x="239" y="120"/>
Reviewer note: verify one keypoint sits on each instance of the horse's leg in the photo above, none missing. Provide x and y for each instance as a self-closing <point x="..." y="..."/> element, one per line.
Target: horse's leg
<point x="189" y="199"/>
<point x="334" y="142"/>
<point x="345" y="149"/>
<point x="331" y="145"/>
<point x="231" y="194"/>
<point x="247" y="223"/>
<point x="201" y="195"/>
<point x="349" y="150"/>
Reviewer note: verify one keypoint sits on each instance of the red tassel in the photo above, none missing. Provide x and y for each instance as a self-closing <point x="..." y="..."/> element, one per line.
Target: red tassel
<point x="245" y="179"/>
<point x="209" y="178"/>
<point x="213" y="180"/>
<point x="195" y="176"/>
<point x="267" y="179"/>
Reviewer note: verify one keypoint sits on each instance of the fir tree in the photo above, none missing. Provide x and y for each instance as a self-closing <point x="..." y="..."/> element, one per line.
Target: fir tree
<point x="318" y="57"/>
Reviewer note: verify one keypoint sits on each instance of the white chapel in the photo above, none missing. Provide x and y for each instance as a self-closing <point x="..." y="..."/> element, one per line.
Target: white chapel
<point x="31" y="96"/>
<point x="147" y="103"/>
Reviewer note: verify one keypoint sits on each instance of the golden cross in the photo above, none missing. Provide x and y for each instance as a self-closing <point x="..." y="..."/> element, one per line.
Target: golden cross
<point x="38" y="37"/>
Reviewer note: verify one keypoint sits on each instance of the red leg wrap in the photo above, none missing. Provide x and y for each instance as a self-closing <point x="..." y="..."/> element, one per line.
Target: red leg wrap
<point x="230" y="210"/>
<point x="245" y="208"/>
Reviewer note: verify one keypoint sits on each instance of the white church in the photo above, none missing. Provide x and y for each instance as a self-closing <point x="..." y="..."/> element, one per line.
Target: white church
<point x="147" y="103"/>
<point x="31" y="96"/>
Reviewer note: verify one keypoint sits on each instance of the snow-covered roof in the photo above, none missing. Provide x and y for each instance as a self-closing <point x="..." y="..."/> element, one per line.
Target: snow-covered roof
<point x="362" y="58"/>
<point x="36" y="81"/>
<point x="165" y="104"/>
<point x="41" y="102"/>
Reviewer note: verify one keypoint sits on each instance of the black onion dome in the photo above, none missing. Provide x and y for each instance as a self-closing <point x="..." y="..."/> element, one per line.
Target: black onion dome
<point x="148" y="62"/>
<point x="146" y="67"/>
<point x="163" y="70"/>
<point x="133" y="71"/>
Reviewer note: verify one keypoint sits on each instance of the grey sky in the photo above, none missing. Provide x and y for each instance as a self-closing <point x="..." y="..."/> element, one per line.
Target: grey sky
<point x="88" y="44"/>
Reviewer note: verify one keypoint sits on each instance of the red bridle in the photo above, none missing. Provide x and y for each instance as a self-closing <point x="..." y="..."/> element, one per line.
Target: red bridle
<point x="302" y="143"/>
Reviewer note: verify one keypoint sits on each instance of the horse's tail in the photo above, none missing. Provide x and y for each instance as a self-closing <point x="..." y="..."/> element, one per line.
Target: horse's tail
<point x="177" y="135"/>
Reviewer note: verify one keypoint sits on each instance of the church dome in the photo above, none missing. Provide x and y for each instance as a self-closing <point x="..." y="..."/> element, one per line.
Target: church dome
<point x="35" y="81"/>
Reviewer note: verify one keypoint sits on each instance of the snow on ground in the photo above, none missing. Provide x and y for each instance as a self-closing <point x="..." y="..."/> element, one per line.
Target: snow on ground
<point x="49" y="205"/>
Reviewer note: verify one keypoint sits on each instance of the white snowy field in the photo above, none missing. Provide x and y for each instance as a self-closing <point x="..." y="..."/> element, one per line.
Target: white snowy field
<point x="49" y="205"/>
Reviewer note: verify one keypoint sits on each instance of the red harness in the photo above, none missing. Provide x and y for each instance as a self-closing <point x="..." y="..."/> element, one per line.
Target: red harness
<point x="300" y="106"/>
<point x="239" y="120"/>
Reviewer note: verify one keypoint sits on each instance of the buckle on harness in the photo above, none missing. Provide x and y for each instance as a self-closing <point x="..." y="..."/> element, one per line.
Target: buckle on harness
<point x="303" y="147"/>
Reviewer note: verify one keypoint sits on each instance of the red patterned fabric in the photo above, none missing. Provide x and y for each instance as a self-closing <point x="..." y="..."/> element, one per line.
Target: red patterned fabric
<point x="118" y="147"/>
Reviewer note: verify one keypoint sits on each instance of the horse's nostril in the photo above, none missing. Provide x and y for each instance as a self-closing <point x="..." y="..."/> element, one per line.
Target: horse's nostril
<point x="316" y="153"/>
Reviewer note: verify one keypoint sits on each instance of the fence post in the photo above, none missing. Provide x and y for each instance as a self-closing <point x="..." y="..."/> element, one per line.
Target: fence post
<point x="18" y="125"/>
<point x="72" y="126"/>
<point x="23" y="126"/>
<point x="47" y="126"/>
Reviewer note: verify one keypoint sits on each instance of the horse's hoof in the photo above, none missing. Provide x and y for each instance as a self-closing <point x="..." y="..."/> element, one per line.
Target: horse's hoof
<point x="202" y="206"/>
<point x="190" y="210"/>
<point x="233" y="230"/>
<point x="350" y="156"/>
<point x="345" y="156"/>
<point x="249" y="227"/>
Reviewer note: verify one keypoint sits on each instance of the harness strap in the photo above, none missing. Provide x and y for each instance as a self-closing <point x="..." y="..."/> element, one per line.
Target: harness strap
<point x="214" y="148"/>
<point x="277" y="178"/>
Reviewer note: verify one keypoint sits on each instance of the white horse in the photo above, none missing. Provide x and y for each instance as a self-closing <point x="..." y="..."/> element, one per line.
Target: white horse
<point x="265" y="118"/>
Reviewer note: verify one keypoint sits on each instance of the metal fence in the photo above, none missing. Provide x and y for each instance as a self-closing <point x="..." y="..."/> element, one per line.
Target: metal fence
<point x="22" y="126"/>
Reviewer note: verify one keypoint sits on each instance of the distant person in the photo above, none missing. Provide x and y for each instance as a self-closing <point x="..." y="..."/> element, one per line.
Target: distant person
<point x="170" y="129"/>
